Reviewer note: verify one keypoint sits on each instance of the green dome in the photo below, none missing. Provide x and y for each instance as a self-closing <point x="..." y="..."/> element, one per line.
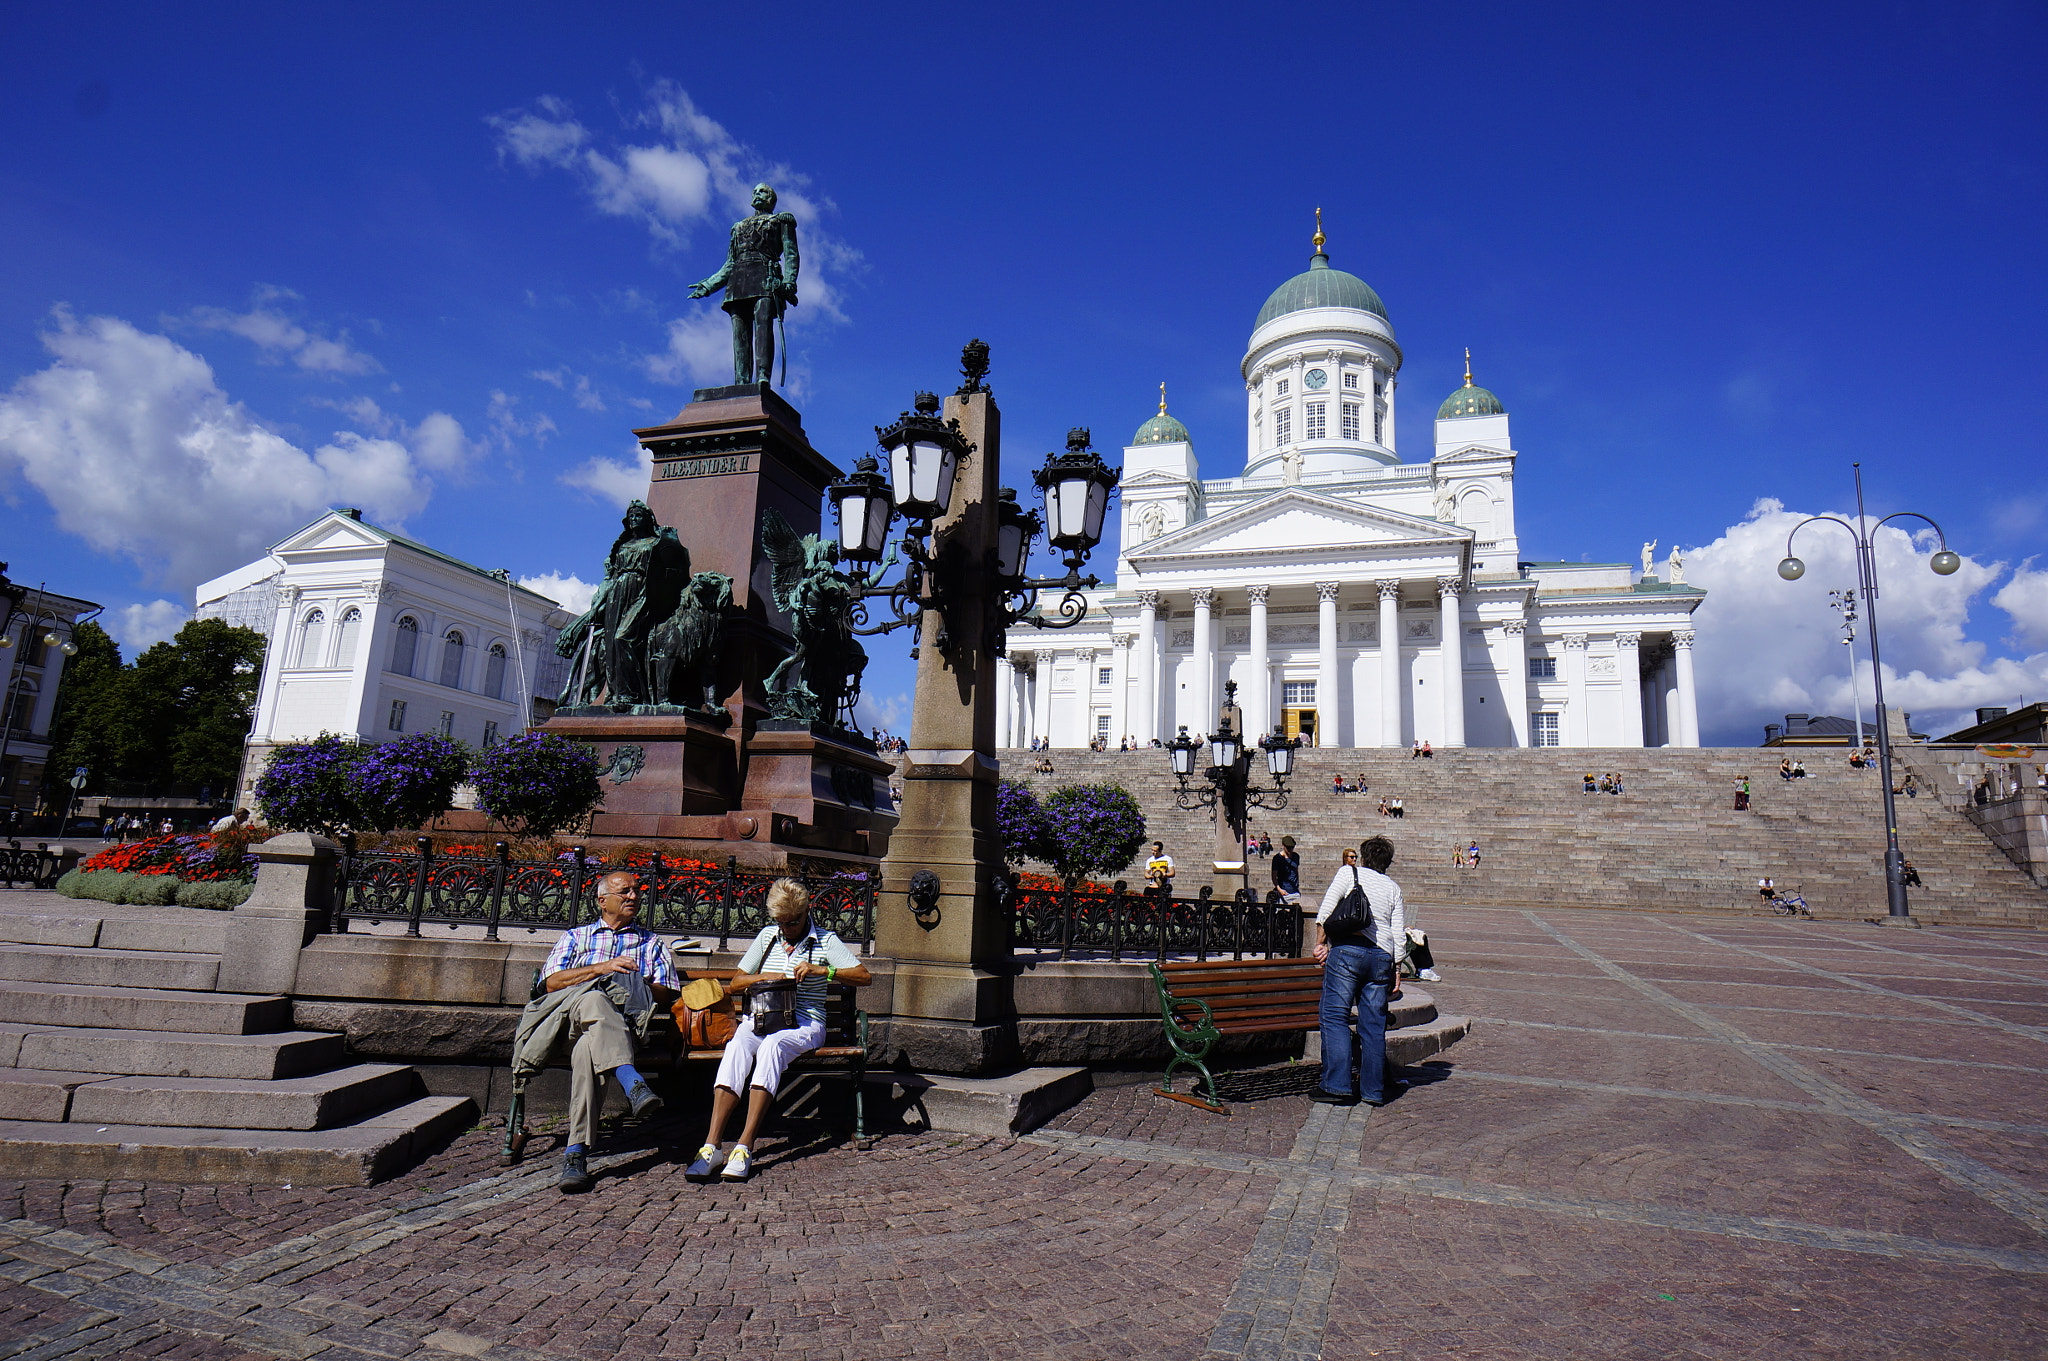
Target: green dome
<point x="1321" y="286"/>
<point x="1162" y="428"/>
<point x="1470" y="400"/>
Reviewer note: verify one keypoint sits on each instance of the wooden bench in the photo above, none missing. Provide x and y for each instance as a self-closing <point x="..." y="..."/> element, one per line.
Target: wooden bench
<point x="1201" y="1002"/>
<point x="845" y="1051"/>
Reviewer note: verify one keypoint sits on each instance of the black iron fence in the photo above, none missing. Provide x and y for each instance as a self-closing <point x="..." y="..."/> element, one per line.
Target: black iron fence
<point x="420" y="887"/>
<point x="37" y="868"/>
<point x="1120" y="923"/>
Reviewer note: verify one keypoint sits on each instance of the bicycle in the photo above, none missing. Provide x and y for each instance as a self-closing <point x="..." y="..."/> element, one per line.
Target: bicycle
<point x="1790" y="905"/>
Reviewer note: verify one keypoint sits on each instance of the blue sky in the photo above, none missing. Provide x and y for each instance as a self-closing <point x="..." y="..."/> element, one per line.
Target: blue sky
<point x="433" y="260"/>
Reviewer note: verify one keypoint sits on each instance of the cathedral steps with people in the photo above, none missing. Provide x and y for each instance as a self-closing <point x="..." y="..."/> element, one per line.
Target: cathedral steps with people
<point x="1672" y="841"/>
<point x="119" y="1060"/>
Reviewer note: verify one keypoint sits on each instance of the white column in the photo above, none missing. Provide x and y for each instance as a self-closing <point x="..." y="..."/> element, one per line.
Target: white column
<point x="1628" y="661"/>
<point x="1667" y="697"/>
<point x="1120" y="687"/>
<point x="1145" y="723"/>
<point x="1452" y="653"/>
<point x="1006" y="681"/>
<point x="1688" y="700"/>
<point x="1258" y="704"/>
<point x="1516" y="692"/>
<point x="1577" y="730"/>
<point x="1041" y="696"/>
<point x="1203" y="701"/>
<point x="1328" y="733"/>
<point x="1390" y="663"/>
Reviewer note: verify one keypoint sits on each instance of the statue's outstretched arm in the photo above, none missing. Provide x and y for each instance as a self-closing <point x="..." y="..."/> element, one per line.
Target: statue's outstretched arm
<point x="707" y="287"/>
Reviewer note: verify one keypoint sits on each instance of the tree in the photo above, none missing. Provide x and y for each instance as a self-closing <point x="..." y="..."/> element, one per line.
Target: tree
<point x="95" y="724"/>
<point x="406" y="783"/>
<point x="1090" y="829"/>
<point x="1020" y="822"/>
<point x="305" y="786"/>
<point x="537" y="783"/>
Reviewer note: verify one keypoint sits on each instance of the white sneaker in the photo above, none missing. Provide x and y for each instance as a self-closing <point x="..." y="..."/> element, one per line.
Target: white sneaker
<point x="1431" y="976"/>
<point x="709" y="1159"/>
<point x="739" y="1164"/>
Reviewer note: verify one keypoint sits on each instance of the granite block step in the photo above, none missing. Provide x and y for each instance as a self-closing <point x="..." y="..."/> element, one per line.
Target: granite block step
<point x="321" y="1101"/>
<point x="29" y="1094"/>
<point x="288" y="1053"/>
<point x="105" y="1008"/>
<point x="102" y="967"/>
<point x="358" y="1154"/>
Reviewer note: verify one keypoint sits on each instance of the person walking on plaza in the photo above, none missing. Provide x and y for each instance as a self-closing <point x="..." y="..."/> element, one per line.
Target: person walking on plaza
<point x="1287" y="871"/>
<point x="754" y="1063"/>
<point x="602" y="983"/>
<point x="1359" y="971"/>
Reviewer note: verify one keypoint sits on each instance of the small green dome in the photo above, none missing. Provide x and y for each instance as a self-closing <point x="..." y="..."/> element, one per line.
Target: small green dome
<point x="1471" y="399"/>
<point x="1162" y="428"/>
<point x="1321" y="286"/>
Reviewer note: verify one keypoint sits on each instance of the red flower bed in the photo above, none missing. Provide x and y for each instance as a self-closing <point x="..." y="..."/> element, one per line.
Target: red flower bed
<point x="196" y="857"/>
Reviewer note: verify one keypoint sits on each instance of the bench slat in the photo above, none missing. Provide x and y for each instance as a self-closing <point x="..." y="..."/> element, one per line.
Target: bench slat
<point x="1314" y="984"/>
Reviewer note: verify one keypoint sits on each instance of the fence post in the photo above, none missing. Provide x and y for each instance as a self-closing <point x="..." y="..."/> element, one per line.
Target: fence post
<point x="338" y="919"/>
<point x="576" y="891"/>
<point x="498" y="891"/>
<point x="725" y="904"/>
<point x="1116" y="928"/>
<point x="419" y="883"/>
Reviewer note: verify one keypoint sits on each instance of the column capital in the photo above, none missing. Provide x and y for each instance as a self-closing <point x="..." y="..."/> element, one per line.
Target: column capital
<point x="1628" y="639"/>
<point x="1257" y="594"/>
<point x="1450" y="586"/>
<point x="1327" y="590"/>
<point x="289" y="595"/>
<point x="1148" y="600"/>
<point x="1682" y="638"/>
<point x="380" y="590"/>
<point x="1203" y="596"/>
<point x="1389" y="590"/>
<point x="1514" y="627"/>
<point x="1575" y="642"/>
<point x="1124" y="640"/>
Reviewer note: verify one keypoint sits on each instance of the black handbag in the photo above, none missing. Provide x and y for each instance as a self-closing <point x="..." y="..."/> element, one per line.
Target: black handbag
<point x="771" y="1005"/>
<point x="1353" y="914"/>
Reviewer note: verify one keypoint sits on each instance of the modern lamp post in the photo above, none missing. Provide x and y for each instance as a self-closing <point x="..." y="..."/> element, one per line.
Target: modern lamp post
<point x="1227" y="786"/>
<point x="1943" y="563"/>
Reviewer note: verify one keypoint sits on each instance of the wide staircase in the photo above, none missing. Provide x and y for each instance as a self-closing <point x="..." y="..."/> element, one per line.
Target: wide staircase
<point x="1673" y="841"/>
<point x="119" y="1060"/>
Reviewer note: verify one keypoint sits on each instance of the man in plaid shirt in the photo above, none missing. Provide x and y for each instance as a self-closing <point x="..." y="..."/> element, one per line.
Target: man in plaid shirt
<point x="601" y="1042"/>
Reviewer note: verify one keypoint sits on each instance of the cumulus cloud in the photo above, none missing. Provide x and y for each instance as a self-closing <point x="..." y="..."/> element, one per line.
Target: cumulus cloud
<point x="140" y="452"/>
<point x="569" y="591"/>
<point x="1768" y="647"/>
<point x="575" y="384"/>
<point x="699" y="350"/>
<point x="890" y="713"/>
<point x="2025" y="598"/>
<point x="619" y="480"/>
<point x="136" y="627"/>
<point x="508" y="425"/>
<point x="278" y="338"/>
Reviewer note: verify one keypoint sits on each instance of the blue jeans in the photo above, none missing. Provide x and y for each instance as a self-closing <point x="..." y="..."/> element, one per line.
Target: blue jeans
<point x="1356" y="975"/>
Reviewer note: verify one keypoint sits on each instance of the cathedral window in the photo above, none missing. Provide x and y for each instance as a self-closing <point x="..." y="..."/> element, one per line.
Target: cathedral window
<point x="1543" y="668"/>
<point x="1298" y="694"/>
<point x="309" y="638"/>
<point x="1102" y="675"/>
<point x="1542" y="730"/>
<point x="1379" y="424"/>
<point x="1351" y="381"/>
<point x="1283" y="427"/>
<point x="1349" y="429"/>
<point x="1315" y="427"/>
<point x="1280" y="388"/>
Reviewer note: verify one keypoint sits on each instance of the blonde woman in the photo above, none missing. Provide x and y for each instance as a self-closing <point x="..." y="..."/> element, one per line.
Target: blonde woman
<point x="791" y="948"/>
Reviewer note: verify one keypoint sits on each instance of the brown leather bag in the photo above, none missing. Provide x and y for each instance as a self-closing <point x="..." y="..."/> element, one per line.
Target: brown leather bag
<point x="712" y="1022"/>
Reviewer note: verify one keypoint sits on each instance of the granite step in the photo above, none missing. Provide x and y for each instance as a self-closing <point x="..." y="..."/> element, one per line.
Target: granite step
<point x="320" y="1101"/>
<point x="285" y="1054"/>
<point x="154" y="1009"/>
<point x="357" y="1154"/>
<point x="31" y="1094"/>
<point x="103" y="967"/>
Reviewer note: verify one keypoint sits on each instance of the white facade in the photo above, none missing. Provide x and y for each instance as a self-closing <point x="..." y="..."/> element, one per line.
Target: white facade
<point x="373" y="636"/>
<point x="30" y="672"/>
<point x="1355" y="599"/>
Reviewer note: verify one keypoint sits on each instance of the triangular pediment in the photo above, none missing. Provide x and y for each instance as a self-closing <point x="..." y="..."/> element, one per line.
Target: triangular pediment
<point x="1474" y="453"/>
<point x="1298" y="520"/>
<point x="330" y="533"/>
<point x="1155" y="475"/>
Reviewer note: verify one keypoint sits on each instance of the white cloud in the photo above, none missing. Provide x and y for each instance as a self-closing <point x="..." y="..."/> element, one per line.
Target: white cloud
<point x="1768" y="646"/>
<point x="277" y="337"/>
<point x="699" y="350"/>
<point x="508" y="425"/>
<point x="571" y="592"/>
<point x="140" y="452"/>
<point x="2025" y="598"/>
<point x="581" y="390"/>
<point x="620" y="480"/>
<point x="890" y="713"/>
<point x="138" y="626"/>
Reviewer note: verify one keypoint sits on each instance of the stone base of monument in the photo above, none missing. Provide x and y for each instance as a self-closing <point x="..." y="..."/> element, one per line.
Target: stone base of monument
<point x="829" y="782"/>
<point x="658" y="765"/>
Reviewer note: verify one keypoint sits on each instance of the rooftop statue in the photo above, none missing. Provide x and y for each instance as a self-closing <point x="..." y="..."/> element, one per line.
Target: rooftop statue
<point x="759" y="279"/>
<point x="821" y="676"/>
<point x="644" y="577"/>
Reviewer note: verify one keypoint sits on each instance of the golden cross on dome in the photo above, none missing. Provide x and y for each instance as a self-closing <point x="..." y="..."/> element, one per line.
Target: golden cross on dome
<point x="1162" y="399"/>
<point x="1319" y="237"/>
<point x="1468" y="366"/>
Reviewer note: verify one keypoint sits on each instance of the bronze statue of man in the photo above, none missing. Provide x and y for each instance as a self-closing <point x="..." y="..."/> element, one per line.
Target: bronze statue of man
<point x="759" y="279"/>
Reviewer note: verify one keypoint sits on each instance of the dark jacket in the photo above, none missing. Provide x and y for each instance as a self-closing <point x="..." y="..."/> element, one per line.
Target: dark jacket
<point x="1287" y="871"/>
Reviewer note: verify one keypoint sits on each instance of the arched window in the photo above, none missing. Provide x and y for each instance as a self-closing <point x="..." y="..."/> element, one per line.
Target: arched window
<point x="406" y="645"/>
<point x="310" y="634"/>
<point x="451" y="660"/>
<point x="494" y="672"/>
<point x="345" y="637"/>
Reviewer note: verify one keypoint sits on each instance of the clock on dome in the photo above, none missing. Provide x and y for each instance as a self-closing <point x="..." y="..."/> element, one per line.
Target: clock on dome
<point x="1315" y="380"/>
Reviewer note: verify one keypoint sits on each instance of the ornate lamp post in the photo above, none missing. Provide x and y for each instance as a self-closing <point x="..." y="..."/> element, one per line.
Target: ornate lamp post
<point x="1226" y="784"/>
<point x="1943" y="563"/>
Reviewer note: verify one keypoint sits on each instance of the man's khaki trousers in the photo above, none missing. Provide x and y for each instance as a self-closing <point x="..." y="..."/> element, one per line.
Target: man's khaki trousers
<point x="601" y="1042"/>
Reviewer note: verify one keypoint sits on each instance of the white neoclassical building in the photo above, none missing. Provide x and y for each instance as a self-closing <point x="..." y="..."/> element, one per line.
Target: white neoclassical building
<point x="373" y="636"/>
<point x="1356" y="599"/>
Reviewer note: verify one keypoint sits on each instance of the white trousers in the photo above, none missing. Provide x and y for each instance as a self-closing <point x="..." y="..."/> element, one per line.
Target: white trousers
<point x="758" y="1060"/>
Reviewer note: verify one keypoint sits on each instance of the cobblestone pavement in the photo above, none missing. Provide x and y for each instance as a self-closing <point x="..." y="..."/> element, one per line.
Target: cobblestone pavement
<point x="1668" y="1136"/>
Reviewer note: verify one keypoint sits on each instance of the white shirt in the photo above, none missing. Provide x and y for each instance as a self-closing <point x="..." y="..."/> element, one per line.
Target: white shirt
<point x="1383" y="896"/>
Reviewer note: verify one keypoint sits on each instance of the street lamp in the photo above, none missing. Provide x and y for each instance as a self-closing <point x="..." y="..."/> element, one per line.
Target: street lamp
<point x="1226" y="785"/>
<point x="1943" y="563"/>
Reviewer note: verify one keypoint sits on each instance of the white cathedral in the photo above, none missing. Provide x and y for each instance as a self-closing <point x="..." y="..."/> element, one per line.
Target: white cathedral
<point x="1356" y="600"/>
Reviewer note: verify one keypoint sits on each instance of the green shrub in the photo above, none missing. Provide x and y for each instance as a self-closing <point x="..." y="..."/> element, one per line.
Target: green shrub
<point x="71" y="884"/>
<point x="100" y="886"/>
<point x="151" y="890"/>
<point x="215" y="897"/>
